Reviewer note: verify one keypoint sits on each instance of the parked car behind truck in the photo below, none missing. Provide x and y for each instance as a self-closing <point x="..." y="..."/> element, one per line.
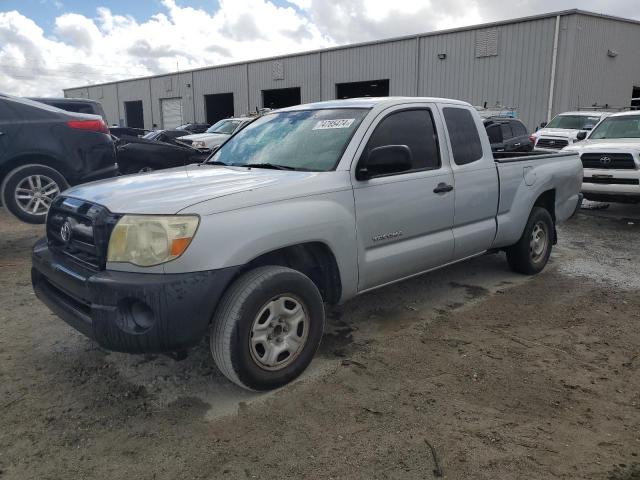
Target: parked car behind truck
<point x="564" y="128"/>
<point x="611" y="159"/>
<point x="43" y="150"/>
<point x="308" y="205"/>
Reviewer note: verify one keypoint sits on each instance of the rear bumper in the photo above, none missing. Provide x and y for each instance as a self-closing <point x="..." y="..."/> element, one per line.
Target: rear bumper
<point x="129" y="312"/>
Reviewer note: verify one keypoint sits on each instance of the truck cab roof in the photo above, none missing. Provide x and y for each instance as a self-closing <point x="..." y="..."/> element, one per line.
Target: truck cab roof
<point x="370" y="102"/>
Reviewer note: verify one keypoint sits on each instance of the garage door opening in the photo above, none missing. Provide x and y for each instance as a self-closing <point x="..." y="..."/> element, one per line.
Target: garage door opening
<point x="133" y="114"/>
<point x="281" y="97"/>
<point x="370" y="88"/>
<point x="171" y="110"/>
<point x="635" y="98"/>
<point x="218" y="106"/>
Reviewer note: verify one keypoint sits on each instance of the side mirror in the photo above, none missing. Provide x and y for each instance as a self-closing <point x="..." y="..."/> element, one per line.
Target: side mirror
<point x="543" y="124"/>
<point x="581" y="136"/>
<point x="385" y="160"/>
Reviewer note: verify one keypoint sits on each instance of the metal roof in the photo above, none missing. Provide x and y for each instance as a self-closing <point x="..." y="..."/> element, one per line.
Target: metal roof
<point x="375" y="42"/>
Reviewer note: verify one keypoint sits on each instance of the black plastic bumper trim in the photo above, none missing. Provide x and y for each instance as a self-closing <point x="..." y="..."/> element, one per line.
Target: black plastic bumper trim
<point x="98" y="303"/>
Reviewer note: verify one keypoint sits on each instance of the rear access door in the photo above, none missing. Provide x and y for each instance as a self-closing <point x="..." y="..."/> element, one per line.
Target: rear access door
<point x="477" y="188"/>
<point x="404" y="219"/>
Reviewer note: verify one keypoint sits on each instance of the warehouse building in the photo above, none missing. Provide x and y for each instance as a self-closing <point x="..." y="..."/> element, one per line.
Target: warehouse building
<point x="537" y="66"/>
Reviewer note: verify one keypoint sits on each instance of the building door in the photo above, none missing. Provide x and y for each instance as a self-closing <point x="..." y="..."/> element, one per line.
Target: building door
<point x="171" y="109"/>
<point x="281" y="97"/>
<point x="635" y="98"/>
<point x="218" y="106"/>
<point x="370" y="88"/>
<point x="133" y="114"/>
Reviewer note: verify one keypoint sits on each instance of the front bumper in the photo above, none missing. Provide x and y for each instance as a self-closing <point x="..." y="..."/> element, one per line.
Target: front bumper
<point x="125" y="311"/>
<point x="618" y="184"/>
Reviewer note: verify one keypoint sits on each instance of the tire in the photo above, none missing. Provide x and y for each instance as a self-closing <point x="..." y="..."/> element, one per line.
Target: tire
<point x="27" y="191"/>
<point x="531" y="254"/>
<point x="282" y="308"/>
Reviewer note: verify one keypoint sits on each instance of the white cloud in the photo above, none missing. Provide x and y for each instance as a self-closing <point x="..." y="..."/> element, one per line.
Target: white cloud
<point x="109" y="47"/>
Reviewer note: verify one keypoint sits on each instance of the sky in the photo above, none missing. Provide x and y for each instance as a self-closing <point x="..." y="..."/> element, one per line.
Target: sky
<point x="48" y="45"/>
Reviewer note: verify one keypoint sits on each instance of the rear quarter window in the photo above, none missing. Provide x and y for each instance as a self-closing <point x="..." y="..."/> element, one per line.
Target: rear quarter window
<point x="463" y="133"/>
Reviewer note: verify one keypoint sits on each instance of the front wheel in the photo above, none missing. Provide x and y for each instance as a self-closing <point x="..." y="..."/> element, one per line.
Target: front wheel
<point x="531" y="254"/>
<point x="267" y="328"/>
<point x="28" y="191"/>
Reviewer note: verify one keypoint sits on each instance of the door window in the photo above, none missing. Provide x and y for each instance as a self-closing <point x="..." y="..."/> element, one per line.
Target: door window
<point x="416" y="130"/>
<point x="519" y="130"/>
<point x="507" y="134"/>
<point x="495" y="134"/>
<point x="463" y="133"/>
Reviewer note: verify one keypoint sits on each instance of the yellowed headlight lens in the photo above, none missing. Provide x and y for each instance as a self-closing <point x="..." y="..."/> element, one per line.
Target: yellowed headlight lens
<point x="147" y="240"/>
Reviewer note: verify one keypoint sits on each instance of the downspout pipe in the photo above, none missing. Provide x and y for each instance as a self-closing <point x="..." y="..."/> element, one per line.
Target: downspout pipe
<point x="554" y="63"/>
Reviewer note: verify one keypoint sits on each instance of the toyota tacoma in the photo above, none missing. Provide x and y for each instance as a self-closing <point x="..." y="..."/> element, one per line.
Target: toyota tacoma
<point x="308" y="205"/>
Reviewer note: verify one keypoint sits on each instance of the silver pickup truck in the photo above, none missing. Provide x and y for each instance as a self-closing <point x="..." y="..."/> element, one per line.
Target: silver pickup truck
<point x="308" y="205"/>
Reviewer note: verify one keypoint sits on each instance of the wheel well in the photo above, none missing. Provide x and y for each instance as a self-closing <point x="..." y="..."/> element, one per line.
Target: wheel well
<point x="315" y="260"/>
<point x="547" y="200"/>
<point x="33" y="159"/>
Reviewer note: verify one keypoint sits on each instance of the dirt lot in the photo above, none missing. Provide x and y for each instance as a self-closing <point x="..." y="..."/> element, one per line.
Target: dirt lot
<point x="507" y="377"/>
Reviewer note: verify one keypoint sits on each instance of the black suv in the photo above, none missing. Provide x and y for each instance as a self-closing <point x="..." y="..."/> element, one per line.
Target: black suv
<point x="43" y="150"/>
<point x="507" y="135"/>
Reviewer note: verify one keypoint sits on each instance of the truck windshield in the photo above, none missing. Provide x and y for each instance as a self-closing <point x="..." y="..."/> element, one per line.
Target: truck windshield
<point x="573" y="122"/>
<point x="617" y="127"/>
<point x="311" y="140"/>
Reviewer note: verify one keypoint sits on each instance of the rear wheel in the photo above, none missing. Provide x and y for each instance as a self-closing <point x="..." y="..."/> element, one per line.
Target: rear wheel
<point x="531" y="254"/>
<point x="28" y="191"/>
<point x="267" y="328"/>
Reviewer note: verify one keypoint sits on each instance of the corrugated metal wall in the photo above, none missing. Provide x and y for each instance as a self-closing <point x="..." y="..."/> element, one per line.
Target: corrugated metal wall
<point x="232" y="79"/>
<point x="591" y="76"/>
<point x="296" y="71"/>
<point x="519" y="76"/>
<point x="394" y="60"/>
<point x="106" y="95"/>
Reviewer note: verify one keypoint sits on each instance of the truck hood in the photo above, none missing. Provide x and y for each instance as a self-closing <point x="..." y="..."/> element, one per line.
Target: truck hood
<point x="608" y="145"/>
<point x="557" y="133"/>
<point x="172" y="190"/>
<point x="209" y="139"/>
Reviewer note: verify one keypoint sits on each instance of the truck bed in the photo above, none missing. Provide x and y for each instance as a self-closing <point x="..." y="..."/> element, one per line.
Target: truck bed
<point x="528" y="176"/>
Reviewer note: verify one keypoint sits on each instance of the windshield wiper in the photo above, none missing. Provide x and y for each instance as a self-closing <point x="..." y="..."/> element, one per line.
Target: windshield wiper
<point x="274" y="166"/>
<point x="215" y="163"/>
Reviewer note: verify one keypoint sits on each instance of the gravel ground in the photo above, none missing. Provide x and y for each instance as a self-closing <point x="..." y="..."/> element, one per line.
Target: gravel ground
<point x="469" y="372"/>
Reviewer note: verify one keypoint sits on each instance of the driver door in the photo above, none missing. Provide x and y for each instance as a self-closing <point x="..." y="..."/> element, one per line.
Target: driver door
<point x="404" y="220"/>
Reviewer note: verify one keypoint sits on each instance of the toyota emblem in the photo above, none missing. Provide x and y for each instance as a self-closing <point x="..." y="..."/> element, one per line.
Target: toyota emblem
<point x="605" y="160"/>
<point x="65" y="232"/>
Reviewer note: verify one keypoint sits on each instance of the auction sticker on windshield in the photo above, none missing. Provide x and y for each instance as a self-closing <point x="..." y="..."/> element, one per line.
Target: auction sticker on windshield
<point x="337" y="123"/>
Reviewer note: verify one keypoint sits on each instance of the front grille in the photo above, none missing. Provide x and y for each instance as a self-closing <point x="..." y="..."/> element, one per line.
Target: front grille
<point x="185" y="141"/>
<point x="554" y="143"/>
<point x="88" y="226"/>
<point x="616" y="161"/>
<point x="611" y="181"/>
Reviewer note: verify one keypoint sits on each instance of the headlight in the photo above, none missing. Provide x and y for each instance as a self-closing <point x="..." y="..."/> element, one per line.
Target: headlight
<point x="198" y="144"/>
<point x="147" y="240"/>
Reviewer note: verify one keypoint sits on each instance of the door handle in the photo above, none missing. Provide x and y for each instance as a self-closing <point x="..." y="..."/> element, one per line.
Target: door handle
<point x="443" y="188"/>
